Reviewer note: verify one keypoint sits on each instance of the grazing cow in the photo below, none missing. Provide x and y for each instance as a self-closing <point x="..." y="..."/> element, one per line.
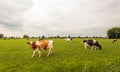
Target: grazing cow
<point x="114" y="40"/>
<point x="41" y="45"/>
<point x="68" y="39"/>
<point x="92" y="43"/>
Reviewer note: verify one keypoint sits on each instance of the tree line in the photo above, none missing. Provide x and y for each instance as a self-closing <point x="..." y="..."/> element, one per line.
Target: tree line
<point x="111" y="33"/>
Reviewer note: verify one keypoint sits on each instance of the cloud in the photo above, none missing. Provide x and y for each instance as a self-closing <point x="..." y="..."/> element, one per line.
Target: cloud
<point x="11" y="11"/>
<point x="59" y="17"/>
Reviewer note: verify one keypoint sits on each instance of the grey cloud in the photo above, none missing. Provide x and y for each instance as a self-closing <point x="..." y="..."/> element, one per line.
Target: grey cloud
<point x="11" y="25"/>
<point x="109" y="8"/>
<point x="11" y="12"/>
<point x="61" y="17"/>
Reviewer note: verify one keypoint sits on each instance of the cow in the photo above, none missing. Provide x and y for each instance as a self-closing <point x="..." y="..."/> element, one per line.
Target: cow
<point x="68" y="39"/>
<point x="92" y="43"/>
<point x="41" y="45"/>
<point x="114" y="41"/>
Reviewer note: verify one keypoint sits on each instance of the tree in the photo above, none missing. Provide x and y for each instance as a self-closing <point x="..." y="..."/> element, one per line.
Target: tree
<point x="79" y="36"/>
<point x="43" y="36"/>
<point x="114" y="32"/>
<point x="58" y="36"/>
<point x="25" y="36"/>
<point x="1" y="35"/>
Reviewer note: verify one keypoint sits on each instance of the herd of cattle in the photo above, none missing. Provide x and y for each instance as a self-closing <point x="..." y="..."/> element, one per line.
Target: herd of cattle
<point x="39" y="45"/>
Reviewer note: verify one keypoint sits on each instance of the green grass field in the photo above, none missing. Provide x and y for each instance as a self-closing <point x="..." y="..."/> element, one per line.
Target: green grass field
<point x="15" y="56"/>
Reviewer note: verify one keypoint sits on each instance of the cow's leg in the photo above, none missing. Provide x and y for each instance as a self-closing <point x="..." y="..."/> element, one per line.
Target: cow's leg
<point x="37" y="49"/>
<point x="93" y="47"/>
<point x="33" y="53"/>
<point x="39" y="53"/>
<point x="85" y="44"/>
<point x="49" y="51"/>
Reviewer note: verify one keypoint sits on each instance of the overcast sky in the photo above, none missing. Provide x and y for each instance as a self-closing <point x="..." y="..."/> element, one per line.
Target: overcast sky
<point x="58" y="17"/>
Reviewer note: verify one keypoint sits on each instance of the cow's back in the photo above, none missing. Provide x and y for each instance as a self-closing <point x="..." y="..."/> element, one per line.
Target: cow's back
<point x="90" y="42"/>
<point x="43" y="44"/>
<point x="51" y="42"/>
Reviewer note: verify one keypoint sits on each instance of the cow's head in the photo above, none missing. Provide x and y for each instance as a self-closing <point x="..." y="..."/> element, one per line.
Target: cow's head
<point x="84" y="41"/>
<point x="32" y="44"/>
<point x="100" y="47"/>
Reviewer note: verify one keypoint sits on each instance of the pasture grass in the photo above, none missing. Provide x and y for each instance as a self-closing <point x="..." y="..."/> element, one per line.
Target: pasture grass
<point x="15" y="56"/>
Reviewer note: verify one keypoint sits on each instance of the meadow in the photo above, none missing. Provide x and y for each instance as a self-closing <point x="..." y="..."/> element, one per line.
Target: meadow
<point x="15" y="56"/>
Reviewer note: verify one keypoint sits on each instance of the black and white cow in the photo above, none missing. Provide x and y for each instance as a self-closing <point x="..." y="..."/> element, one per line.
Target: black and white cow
<point x="92" y="43"/>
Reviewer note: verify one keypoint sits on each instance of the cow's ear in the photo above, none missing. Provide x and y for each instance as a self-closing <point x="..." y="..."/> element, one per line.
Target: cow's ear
<point x="28" y="42"/>
<point x="84" y="40"/>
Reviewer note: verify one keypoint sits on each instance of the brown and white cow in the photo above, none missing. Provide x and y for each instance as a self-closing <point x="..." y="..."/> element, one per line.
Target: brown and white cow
<point x="114" y="40"/>
<point x="41" y="45"/>
<point x="68" y="39"/>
